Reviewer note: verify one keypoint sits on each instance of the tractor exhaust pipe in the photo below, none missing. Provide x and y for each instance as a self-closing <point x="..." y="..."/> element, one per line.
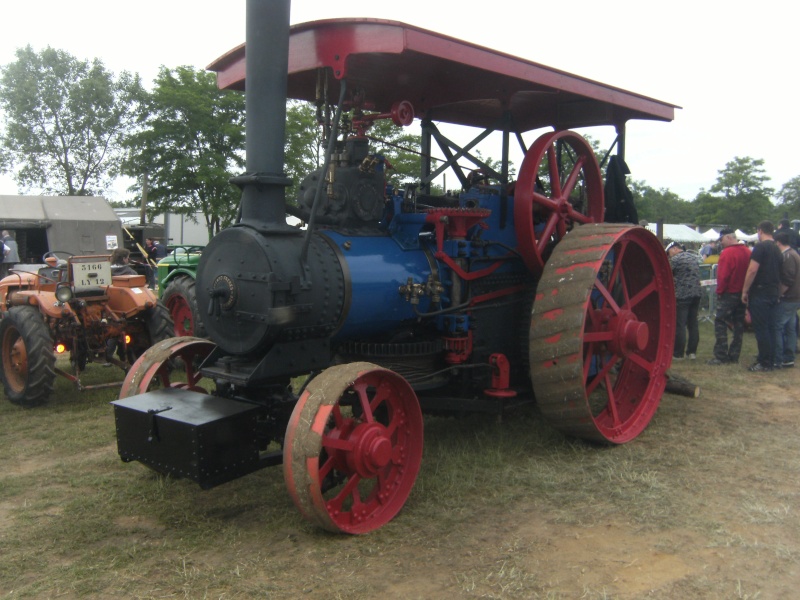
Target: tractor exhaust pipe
<point x="263" y="185"/>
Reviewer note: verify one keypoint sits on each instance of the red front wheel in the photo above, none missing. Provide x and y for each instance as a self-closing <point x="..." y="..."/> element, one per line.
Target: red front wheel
<point x="353" y="447"/>
<point x="171" y="363"/>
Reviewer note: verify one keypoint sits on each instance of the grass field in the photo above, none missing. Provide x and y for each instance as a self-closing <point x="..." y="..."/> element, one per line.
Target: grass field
<point x="704" y="504"/>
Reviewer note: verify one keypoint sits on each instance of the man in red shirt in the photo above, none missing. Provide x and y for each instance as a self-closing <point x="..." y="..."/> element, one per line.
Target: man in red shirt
<point x="733" y="262"/>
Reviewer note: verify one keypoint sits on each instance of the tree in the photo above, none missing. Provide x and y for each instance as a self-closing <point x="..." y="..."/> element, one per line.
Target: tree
<point x="303" y="149"/>
<point x="789" y="196"/>
<point x="65" y="121"/>
<point x="191" y="143"/>
<point x="739" y="198"/>
<point x="400" y="148"/>
<point x="654" y="205"/>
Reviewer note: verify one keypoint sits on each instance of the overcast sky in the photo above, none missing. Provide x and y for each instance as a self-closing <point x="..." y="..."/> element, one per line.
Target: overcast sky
<point x="733" y="70"/>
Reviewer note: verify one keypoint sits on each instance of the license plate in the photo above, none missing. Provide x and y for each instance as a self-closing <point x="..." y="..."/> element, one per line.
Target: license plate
<point x="91" y="274"/>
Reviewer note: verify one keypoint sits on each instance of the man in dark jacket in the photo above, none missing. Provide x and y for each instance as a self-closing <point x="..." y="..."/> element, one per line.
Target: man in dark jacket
<point x="789" y="304"/>
<point x="760" y="293"/>
<point x="784" y="226"/>
<point x="150" y="249"/>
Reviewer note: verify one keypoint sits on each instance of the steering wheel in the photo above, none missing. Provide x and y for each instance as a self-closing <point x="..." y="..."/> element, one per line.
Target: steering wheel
<point x="54" y="254"/>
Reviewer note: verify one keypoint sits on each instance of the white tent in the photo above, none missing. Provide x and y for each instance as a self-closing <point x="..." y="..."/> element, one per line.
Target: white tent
<point x="741" y="235"/>
<point x="679" y="233"/>
<point x="711" y="235"/>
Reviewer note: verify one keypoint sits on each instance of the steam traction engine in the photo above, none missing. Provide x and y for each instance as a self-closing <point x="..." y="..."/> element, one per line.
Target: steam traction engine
<point x="399" y="301"/>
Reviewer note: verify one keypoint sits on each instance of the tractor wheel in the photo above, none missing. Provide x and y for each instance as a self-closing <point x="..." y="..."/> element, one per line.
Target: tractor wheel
<point x="181" y="300"/>
<point x="353" y="447"/>
<point x="28" y="361"/>
<point x="559" y="186"/>
<point x="171" y="363"/>
<point x="159" y="323"/>
<point x="602" y="332"/>
<point x="155" y="325"/>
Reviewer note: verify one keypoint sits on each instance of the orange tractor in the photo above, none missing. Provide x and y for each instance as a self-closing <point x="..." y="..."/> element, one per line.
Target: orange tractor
<point x="72" y="305"/>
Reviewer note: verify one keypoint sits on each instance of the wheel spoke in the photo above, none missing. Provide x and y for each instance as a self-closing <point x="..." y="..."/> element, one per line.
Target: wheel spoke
<point x="612" y="304"/>
<point x="578" y="217"/>
<point x="617" y="274"/>
<point x="601" y="375"/>
<point x="572" y="178"/>
<point x="332" y="443"/>
<point x="549" y="229"/>
<point x="363" y="399"/>
<point x="637" y="359"/>
<point x="350" y="490"/>
<point x="642" y="294"/>
<point x="326" y="467"/>
<point x="598" y="336"/>
<point x="338" y="419"/>
<point x="618" y="259"/>
<point x="544" y="202"/>
<point x="612" y="402"/>
<point x="555" y="176"/>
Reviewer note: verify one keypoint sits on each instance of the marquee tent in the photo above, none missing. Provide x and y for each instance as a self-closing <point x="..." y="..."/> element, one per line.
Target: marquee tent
<point x="741" y="235"/>
<point x="679" y="233"/>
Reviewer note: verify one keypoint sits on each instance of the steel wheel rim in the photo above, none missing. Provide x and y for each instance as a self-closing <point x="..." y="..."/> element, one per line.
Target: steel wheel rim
<point x="352" y="470"/>
<point x="598" y="363"/>
<point x="555" y="207"/>
<point x="157" y="366"/>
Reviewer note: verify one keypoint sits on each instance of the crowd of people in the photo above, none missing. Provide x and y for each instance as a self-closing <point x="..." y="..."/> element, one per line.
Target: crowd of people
<point x="763" y="281"/>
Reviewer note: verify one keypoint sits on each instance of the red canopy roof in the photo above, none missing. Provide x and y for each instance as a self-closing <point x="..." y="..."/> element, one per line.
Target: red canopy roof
<point x="445" y="79"/>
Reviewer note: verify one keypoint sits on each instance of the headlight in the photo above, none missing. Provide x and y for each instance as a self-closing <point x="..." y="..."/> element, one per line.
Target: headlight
<point x="63" y="293"/>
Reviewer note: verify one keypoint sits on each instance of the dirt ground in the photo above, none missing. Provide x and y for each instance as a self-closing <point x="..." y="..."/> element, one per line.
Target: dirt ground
<point x="704" y="504"/>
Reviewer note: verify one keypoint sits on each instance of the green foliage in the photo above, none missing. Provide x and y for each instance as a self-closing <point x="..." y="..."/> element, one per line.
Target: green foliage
<point x="192" y="141"/>
<point x="739" y="198"/>
<point x="65" y="120"/>
<point x="789" y="197"/>
<point x="303" y="149"/>
<point x="400" y="148"/>
<point x="654" y="205"/>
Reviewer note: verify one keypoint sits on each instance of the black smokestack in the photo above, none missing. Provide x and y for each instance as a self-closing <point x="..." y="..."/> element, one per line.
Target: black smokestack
<point x="266" y="63"/>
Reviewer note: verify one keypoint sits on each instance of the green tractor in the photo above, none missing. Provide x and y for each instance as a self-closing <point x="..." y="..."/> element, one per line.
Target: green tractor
<point x="176" y="288"/>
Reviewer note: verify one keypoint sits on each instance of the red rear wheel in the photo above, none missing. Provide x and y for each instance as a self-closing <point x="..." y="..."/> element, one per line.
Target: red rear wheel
<point x="181" y="315"/>
<point x="180" y="297"/>
<point x="559" y="186"/>
<point x="602" y="332"/>
<point x="353" y="447"/>
<point x="171" y="363"/>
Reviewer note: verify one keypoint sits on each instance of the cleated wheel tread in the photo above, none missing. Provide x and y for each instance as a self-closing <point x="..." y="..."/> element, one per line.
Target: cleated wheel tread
<point x="602" y="332"/>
